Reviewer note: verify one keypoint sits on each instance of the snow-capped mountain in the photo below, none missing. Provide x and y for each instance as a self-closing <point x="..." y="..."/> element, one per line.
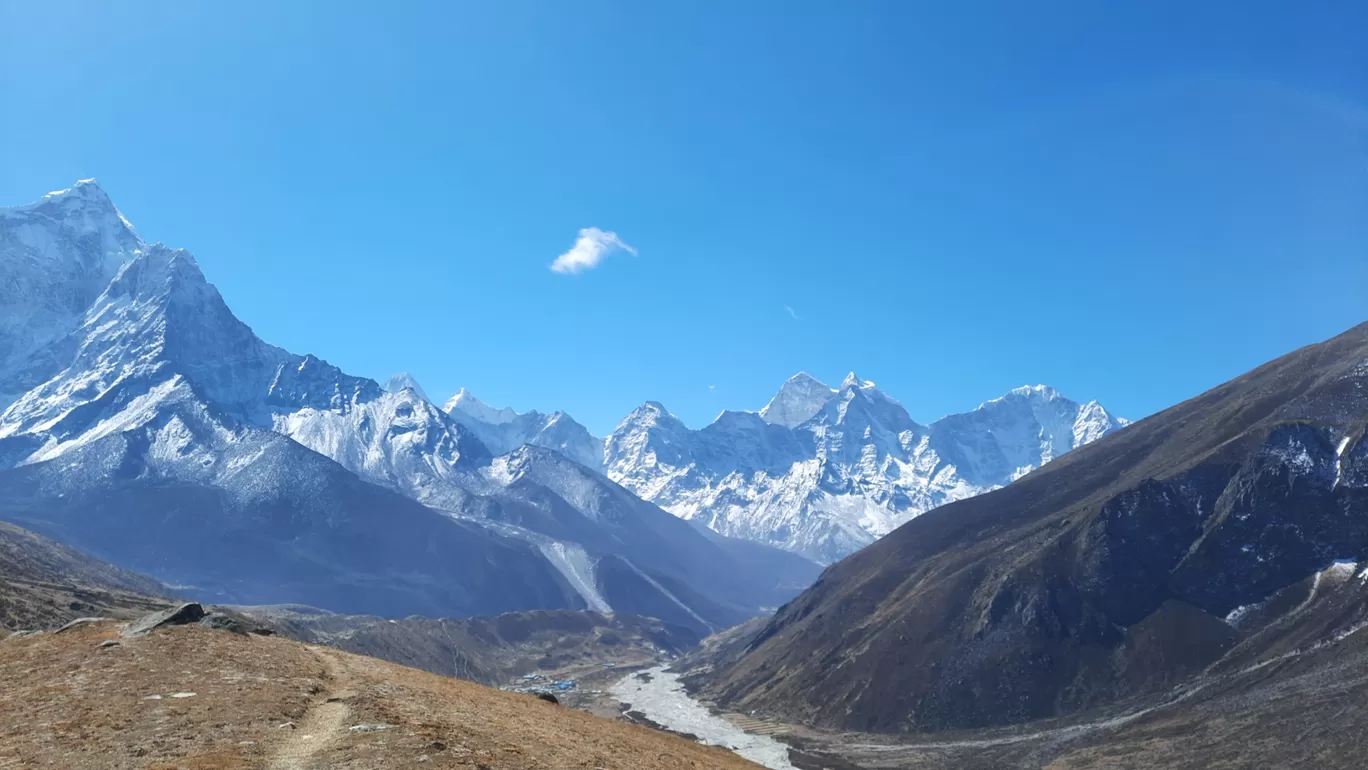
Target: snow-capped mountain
<point x="59" y="255"/>
<point x="104" y="334"/>
<point x="503" y="430"/>
<point x="468" y="405"/>
<point x="823" y="471"/>
<point x="154" y="382"/>
<point x="819" y="471"/>
<point x="801" y="397"/>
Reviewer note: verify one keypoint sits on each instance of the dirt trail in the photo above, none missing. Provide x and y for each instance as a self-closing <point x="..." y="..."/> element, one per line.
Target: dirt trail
<point x="73" y="703"/>
<point x="323" y="725"/>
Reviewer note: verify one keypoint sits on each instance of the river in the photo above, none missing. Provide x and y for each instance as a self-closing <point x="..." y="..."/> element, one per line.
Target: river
<point x="664" y="701"/>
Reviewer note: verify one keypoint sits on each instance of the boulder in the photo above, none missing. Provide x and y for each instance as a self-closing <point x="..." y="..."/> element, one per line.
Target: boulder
<point x="190" y="612"/>
<point x="80" y="622"/>
<point x="221" y="622"/>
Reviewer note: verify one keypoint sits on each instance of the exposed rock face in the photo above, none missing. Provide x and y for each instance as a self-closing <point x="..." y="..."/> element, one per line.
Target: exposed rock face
<point x="180" y="615"/>
<point x="1117" y="569"/>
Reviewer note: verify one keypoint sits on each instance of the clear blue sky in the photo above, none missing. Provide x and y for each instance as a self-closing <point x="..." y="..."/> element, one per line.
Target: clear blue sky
<point x="953" y="198"/>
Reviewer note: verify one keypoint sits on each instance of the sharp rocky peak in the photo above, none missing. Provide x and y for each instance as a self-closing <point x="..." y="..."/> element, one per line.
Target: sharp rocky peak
<point x="798" y="399"/>
<point x="853" y="380"/>
<point x="465" y="402"/>
<point x="401" y="381"/>
<point x="85" y="194"/>
<point x="88" y="189"/>
<point x="650" y="418"/>
<point x="652" y="411"/>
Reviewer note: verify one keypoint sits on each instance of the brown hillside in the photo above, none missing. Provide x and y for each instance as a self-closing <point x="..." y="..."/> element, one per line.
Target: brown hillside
<point x="191" y="697"/>
<point x="44" y="584"/>
<point x="1105" y="575"/>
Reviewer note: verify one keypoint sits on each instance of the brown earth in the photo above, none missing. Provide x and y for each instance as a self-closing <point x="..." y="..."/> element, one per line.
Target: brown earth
<point x="557" y="644"/>
<point x="44" y="584"/>
<point x="195" y="698"/>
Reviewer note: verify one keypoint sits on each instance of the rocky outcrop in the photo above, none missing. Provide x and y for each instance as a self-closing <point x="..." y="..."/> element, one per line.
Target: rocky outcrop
<point x="180" y="615"/>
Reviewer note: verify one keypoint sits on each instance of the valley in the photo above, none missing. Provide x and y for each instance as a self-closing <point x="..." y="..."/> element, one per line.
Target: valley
<point x="823" y="582"/>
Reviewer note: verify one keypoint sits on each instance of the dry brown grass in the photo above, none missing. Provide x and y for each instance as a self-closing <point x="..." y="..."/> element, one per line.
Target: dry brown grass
<point x="71" y="704"/>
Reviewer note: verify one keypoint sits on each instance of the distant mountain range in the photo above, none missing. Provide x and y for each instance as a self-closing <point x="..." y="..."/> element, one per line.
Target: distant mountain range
<point x="819" y="471"/>
<point x="1219" y="547"/>
<point x="144" y="423"/>
<point x="825" y="471"/>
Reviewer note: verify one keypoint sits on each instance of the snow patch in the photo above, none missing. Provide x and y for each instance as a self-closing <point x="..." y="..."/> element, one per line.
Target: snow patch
<point x="665" y="592"/>
<point x="574" y="563"/>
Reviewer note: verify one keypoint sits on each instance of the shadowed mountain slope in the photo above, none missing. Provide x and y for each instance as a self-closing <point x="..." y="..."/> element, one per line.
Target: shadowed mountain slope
<point x="1119" y="569"/>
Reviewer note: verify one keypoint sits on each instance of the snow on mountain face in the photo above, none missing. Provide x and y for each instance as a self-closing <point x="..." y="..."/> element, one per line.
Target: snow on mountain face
<point x="824" y="471"/>
<point x="156" y="361"/>
<point x="820" y="471"/>
<point x="797" y="401"/>
<point x="59" y="254"/>
<point x="404" y="381"/>
<point x="158" y="327"/>
<point x="465" y="402"/>
<point x="504" y="430"/>
<point x="1019" y="432"/>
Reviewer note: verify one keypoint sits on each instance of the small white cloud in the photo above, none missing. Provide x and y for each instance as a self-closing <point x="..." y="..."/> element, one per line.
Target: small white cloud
<point x="712" y="387"/>
<point x="590" y="248"/>
<point x="792" y="313"/>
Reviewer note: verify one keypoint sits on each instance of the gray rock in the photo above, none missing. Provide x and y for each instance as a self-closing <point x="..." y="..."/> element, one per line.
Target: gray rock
<point x="369" y="727"/>
<point x="23" y="633"/>
<point x="81" y="622"/>
<point x="106" y="644"/>
<point x="221" y="622"/>
<point x="190" y="612"/>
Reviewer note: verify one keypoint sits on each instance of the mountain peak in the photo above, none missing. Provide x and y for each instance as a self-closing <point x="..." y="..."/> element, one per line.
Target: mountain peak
<point x="1028" y="393"/>
<point x="87" y="196"/>
<point x="854" y="380"/>
<point x="82" y="210"/>
<point x="88" y="189"/>
<point x="798" y="399"/>
<point x="402" y="381"/>
<point x="1044" y="391"/>
<point x="650" y="414"/>
<point x="466" y="402"/>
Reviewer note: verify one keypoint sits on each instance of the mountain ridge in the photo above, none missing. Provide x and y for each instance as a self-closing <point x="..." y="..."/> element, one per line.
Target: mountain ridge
<point x="805" y="480"/>
<point x="157" y="383"/>
<point x="1115" y="571"/>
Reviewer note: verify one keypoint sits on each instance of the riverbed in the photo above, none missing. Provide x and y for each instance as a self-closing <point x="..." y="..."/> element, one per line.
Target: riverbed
<point x="664" y="701"/>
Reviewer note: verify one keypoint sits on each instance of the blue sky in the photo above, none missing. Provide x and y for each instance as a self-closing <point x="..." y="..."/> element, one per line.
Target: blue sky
<point x="952" y="199"/>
